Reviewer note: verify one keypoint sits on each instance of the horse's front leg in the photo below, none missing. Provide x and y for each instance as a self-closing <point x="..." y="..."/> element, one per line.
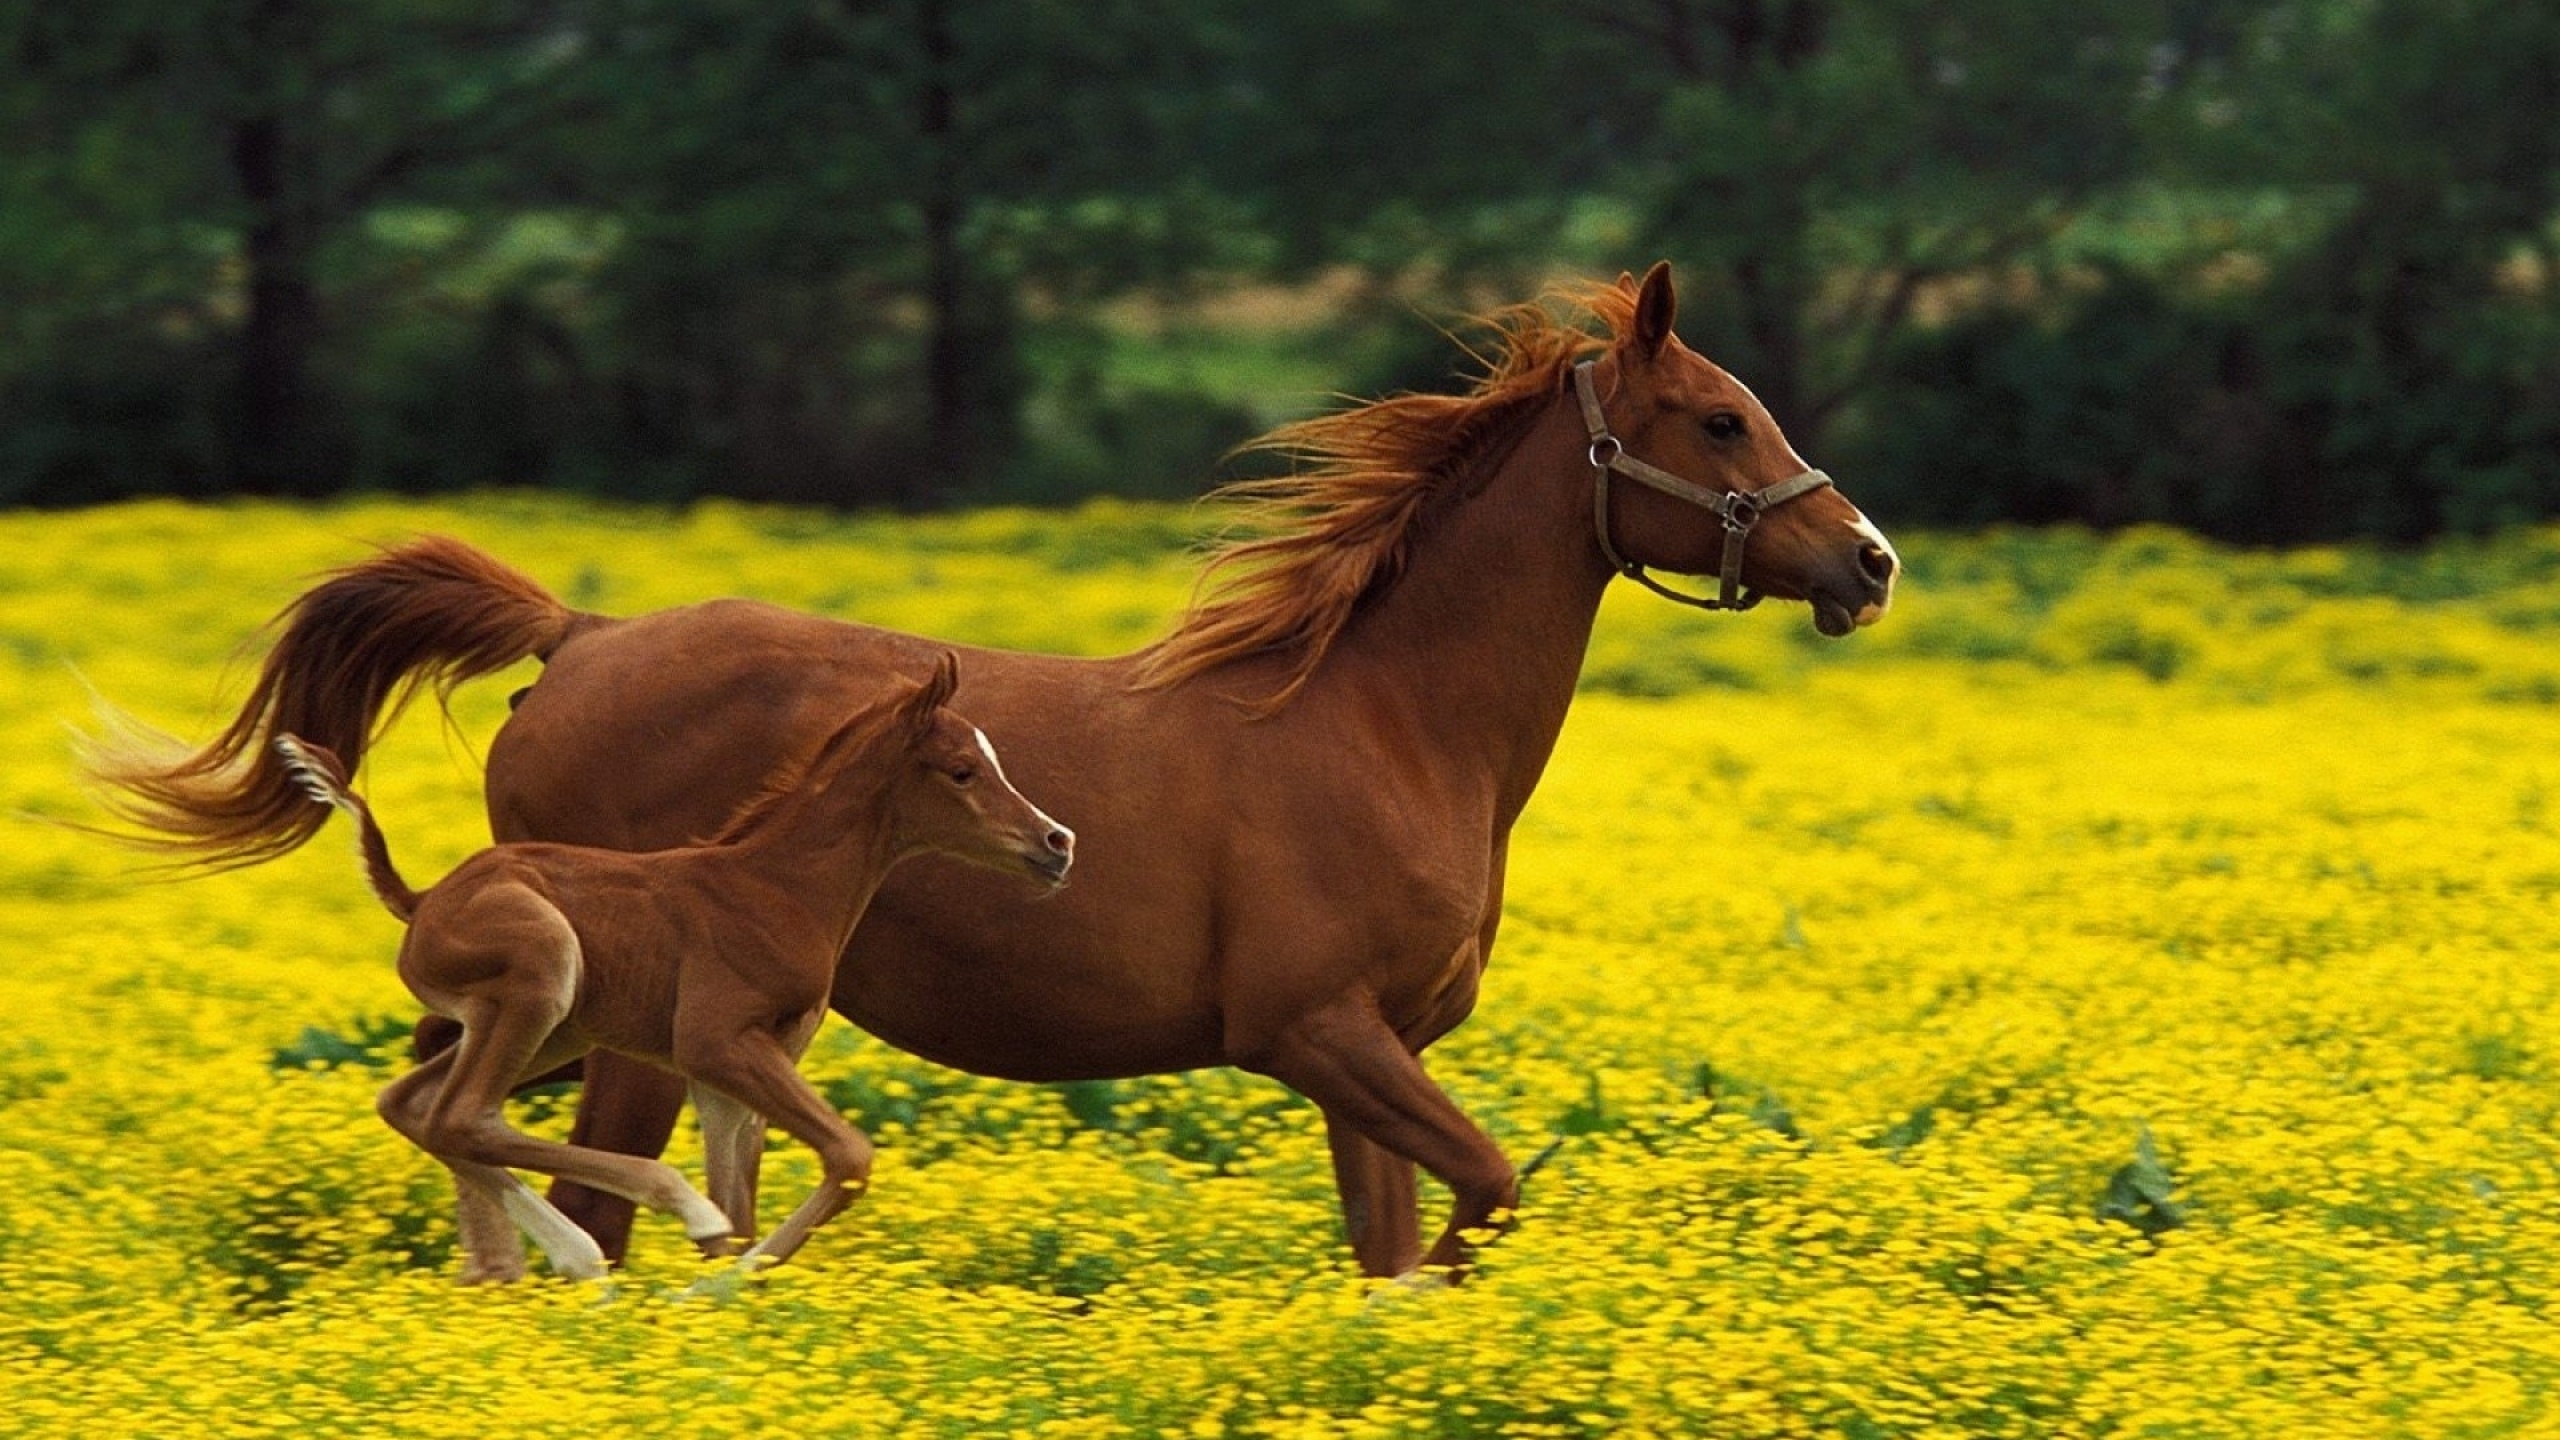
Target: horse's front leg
<point x="732" y="1154"/>
<point x="1347" y="1059"/>
<point x="1379" y="1216"/>
<point x="757" y="1069"/>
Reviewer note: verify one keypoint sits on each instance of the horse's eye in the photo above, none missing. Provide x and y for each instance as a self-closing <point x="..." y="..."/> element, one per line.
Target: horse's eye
<point x="962" y="776"/>
<point x="1725" y="425"/>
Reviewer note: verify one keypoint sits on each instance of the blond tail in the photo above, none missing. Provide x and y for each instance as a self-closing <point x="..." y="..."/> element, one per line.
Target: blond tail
<point x="317" y="771"/>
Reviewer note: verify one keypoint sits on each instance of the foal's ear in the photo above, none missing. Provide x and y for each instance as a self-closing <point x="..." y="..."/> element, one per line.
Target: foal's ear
<point x="916" y="711"/>
<point x="1656" y="305"/>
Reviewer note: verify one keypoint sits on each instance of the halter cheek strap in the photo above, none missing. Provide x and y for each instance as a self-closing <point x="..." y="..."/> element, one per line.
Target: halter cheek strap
<point x="1739" y="509"/>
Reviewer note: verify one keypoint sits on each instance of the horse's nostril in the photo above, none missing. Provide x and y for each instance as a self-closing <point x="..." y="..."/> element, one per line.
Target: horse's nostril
<point x="1877" y="561"/>
<point x="1060" y="841"/>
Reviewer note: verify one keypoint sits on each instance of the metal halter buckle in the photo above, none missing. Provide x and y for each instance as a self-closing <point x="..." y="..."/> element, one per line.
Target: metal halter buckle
<point x="1740" y="510"/>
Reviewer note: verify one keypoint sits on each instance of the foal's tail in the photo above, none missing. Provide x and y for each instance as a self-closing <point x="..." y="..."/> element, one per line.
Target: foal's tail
<point x="352" y="651"/>
<point x="322" y="778"/>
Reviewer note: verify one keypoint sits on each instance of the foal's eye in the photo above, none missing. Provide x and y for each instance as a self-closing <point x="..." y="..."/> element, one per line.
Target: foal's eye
<point x="962" y="776"/>
<point x="1724" y="425"/>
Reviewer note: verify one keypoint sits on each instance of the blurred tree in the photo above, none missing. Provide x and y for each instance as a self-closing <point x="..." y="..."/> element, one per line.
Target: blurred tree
<point x="2408" y="357"/>
<point x="211" y="156"/>
<point x="2381" y="359"/>
<point x="1826" y="162"/>
<point x="834" y="216"/>
<point x="860" y="251"/>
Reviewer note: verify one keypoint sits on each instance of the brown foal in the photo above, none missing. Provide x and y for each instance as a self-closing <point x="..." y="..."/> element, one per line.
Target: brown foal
<point x="713" y="960"/>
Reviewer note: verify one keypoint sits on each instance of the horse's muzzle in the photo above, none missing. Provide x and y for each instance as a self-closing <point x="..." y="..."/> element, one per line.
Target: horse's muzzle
<point x="1842" y="606"/>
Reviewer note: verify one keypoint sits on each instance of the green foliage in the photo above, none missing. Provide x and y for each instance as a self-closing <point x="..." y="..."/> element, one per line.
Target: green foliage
<point x="2277" y="270"/>
<point x="2140" y="1193"/>
<point x="375" y="1042"/>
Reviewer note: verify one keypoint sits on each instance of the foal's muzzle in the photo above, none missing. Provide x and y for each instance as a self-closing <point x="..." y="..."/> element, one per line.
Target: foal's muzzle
<point x="1057" y="852"/>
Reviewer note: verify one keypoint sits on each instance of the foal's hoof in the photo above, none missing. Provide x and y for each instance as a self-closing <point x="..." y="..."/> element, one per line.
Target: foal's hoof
<point x="723" y="1246"/>
<point x="724" y="1283"/>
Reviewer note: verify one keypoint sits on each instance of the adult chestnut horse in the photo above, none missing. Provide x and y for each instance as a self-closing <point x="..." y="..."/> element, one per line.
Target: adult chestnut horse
<point x="1294" y="809"/>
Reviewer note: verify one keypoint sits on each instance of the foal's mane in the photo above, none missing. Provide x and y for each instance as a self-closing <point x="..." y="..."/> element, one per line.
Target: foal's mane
<point x="1339" y="528"/>
<point x="785" y="781"/>
<point x="854" y="734"/>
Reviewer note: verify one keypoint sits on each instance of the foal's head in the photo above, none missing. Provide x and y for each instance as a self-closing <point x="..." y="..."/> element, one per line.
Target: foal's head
<point x="1677" y="410"/>
<point x="941" y="787"/>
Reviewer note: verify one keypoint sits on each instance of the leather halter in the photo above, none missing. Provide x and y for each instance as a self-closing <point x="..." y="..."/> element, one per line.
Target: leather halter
<point x="1738" y="509"/>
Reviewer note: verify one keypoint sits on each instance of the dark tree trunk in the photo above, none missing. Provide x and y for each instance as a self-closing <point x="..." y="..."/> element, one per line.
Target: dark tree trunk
<point x="946" y="360"/>
<point x="277" y="447"/>
<point x="275" y="450"/>
<point x="1773" y="317"/>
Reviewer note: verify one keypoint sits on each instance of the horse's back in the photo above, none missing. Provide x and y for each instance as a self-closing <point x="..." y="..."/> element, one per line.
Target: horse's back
<point x="1223" y="862"/>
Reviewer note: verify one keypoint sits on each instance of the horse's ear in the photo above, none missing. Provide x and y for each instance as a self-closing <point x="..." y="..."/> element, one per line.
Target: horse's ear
<point x="1656" y="305"/>
<point x="916" y="711"/>
<point x="1627" y="282"/>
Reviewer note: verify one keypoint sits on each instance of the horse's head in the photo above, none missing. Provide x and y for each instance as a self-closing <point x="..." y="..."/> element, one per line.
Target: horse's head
<point x="951" y="793"/>
<point x="1685" y="439"/>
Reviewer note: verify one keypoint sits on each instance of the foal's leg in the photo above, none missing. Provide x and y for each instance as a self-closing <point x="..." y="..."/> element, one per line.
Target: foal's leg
<point x="491" y="1205"/>
<point x="513" y="1031"/>
<point x="732" y="1151"/>
<point x="467" y="1123"/>
<point x="628" y="1107"/>
<point x="1347" y="1060"/>
<point x="755" y="1068"/>
<point x="492" y="1243"/>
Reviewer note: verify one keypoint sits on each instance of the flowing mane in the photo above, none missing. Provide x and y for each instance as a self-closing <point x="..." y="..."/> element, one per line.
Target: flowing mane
<point x="1338" y="529"/>
<point x="788" y="778"/>
<point x="843" y="744"/>
<point x="779" y="786"/>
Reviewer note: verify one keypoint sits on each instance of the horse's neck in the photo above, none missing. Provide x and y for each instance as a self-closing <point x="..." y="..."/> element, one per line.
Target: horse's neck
<point x="828" y="850"/>
<point x="1482" y="637"/>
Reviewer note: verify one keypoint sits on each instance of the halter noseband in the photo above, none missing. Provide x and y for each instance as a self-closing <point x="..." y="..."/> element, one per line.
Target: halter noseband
<point x="1739" y="509"/>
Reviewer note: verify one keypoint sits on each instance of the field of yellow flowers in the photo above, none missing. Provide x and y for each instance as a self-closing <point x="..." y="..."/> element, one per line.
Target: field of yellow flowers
<point x="2120" y="995"/>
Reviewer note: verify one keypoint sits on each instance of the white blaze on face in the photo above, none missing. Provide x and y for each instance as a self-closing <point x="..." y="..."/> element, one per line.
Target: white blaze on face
<point x="987" y="748"/>
<point x="1865" y="529"/>
<point x="1792" y="457"/>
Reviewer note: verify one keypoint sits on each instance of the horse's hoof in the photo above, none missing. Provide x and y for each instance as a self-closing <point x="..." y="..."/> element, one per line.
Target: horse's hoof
<point x="1411" y="1282"/>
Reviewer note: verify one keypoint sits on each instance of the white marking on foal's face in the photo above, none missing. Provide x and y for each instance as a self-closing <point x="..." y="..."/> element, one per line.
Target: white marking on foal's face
<point x="987" y="748"/>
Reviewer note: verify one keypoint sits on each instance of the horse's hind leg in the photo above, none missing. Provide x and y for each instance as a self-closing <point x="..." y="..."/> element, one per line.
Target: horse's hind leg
<point x="492" y="1242"/>
<point x="467" y="1125"/>
<point x="491" y="1204"/>
<point x="626" y="1107"/>
<point x="1347" y="1060"/>
<point x="507" y="964"/>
